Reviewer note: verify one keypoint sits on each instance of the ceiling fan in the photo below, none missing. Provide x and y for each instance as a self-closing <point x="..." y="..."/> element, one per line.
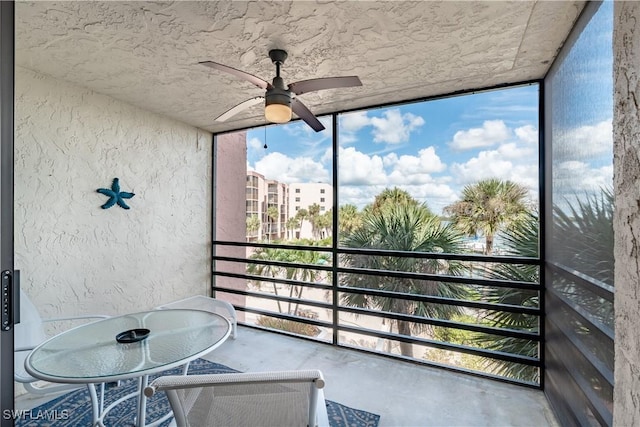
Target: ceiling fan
<point x="279" y="100"/>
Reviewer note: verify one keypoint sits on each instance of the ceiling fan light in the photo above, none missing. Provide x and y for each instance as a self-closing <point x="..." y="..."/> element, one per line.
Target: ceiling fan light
<point x="277" y="107"/>
<point x="277" y="113"/>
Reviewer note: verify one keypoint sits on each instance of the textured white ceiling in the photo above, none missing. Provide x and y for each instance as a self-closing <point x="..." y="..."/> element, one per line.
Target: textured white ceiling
<point x="147" y="53"/>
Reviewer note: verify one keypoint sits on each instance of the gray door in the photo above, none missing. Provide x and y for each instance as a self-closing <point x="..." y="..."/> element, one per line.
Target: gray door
<point x="7" y="275"/>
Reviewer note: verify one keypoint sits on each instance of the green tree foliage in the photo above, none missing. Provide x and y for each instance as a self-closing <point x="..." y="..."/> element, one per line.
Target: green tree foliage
<point x="293" y="223"/>
<point x="583" y="240"/>
<point x="404" y="226"/>
<point x="314" y="217"/>
<point x="349" y="219"/>
<point x="307" y="258"/>
<point x="301" y="215"/>
<point x="390" y="197"/>
<point x="583" y="236"/>
<point x="253" y="224"/>
<point x="520" y="240"/>
<point x="487" y="207"/>
<point x="272" y="216"/>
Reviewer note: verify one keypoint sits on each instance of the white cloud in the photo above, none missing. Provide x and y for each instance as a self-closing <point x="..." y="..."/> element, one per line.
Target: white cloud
<point x="585" y="142"/>
<point x="286" y="169"/>
<point x="576" y="176"/>
<point x="408" y="169"/>
<point x="514" y="151"/>
<point x="353" y="122"/>
<point x="394" y="128"/>
<point x="254" y="144"/>
<point x="363" y="176"/>
<point x="528" y="134"/>
<point x="427" y="161"/>
<point x="491" y="133"/>
<point x="357" y="168"/>
<point x="495" y="164"/>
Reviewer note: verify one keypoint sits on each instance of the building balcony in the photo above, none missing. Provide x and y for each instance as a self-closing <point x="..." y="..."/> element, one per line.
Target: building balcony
<point x="401" y="393"/>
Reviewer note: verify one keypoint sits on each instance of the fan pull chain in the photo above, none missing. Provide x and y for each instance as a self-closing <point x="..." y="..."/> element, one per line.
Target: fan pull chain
<point x="265" y="138"/>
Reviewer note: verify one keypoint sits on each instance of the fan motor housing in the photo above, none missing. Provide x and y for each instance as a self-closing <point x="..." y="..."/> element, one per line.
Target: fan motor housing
<point x="277" y="96"/>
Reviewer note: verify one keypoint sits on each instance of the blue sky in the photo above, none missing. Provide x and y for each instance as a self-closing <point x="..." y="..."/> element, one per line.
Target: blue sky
<point x="430" y="149"/>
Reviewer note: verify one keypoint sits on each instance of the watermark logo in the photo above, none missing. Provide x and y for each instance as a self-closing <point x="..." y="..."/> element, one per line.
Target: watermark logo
<point x="30" y="414"/>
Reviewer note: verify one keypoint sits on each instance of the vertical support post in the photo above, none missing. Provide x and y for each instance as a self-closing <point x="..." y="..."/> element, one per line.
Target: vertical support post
<point x="7" y="60"/>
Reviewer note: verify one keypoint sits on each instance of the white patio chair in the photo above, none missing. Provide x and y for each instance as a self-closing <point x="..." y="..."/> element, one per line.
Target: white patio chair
<point x="201" y="302"/>
<point x="279" y="399"/>
<point x="29" y="333"/>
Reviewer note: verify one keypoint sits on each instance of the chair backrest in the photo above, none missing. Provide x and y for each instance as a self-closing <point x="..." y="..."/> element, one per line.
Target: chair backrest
<point x="201" y="302"/>
<point x="28" y="334"/>
<point x="283" y="398"/>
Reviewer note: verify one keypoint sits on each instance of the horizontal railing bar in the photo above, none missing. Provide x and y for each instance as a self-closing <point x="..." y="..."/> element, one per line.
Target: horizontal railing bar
<point x="498" y="355"/>
<point x="604" y="371"/>
<point x="431" y="255"/>
<point x="443" y="278"/>
<point x="274" y="297"/>
<point x="514" y="333"/>
<point x="276" y="263"/>
<point x="386" y="252"/>
<point x="525" y="360"/>
<point x="291" y="282"/>
<point x="605" y="331"/>
<point x="388" y="294"/>
<point x="286" y="317"/>
<point x="593" y="285"/>
<point x="399" y="357"/>
<point x="273" y="246"/>
<point x="581" y="390"/>
<point x="452" y="368"/>
<point x="533" y="336"/>
<point x="391" y="273"/>
<point x="534" y="311"/>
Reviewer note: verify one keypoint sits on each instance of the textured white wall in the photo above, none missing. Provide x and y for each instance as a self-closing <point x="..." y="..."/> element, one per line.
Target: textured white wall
<point x="626" y="125"/>
<point x="76" y="257"/>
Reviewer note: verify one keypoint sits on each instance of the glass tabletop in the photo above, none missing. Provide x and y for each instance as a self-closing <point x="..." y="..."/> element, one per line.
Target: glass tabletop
<point x="91" y="352"/>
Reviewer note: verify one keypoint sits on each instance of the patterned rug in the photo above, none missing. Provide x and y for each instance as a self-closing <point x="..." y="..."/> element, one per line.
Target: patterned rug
<point x="74" y="409"/>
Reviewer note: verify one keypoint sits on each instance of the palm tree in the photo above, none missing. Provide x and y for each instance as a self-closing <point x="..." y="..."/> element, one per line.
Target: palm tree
<point x="272" y="215"/>
<point x="520" y="240"/>
<point x="307" y="273"/>
<point x="584" y="235"/>
<point x="253" y="224"/>
<point x="405" y="227"/>
<point x="313" y="214"/>
<point x="392" y="196"/>
<point x="487" y="207"/>
<point x="348" y="219"/>
<point x="292" y="224"/>
<point x="324" y="222"/>
<point x="267" y="270"/>
<point x="583" y="240"/>
<point x="301" y="215"/>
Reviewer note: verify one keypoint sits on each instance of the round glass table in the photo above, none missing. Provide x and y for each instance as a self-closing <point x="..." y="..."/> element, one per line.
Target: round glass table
<point x="154" y="341"/>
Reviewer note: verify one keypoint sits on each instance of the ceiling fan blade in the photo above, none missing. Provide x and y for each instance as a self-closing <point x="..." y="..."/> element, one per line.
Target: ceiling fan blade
<point x="311" y="85"/>
<point x="235" y="110"/>
<point x="303" y="112"/>
<point x="262" y="84"/>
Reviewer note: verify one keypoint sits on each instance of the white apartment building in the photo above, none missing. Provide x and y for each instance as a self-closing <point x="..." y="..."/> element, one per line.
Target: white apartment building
<point x="286" y="200"/>
<point x="265" y="196"/>
<point x="302" y="196"/>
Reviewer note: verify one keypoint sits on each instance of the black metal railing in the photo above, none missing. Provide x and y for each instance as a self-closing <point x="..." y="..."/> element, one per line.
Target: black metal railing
<point x="580" y="345"/>
<point x="312" y="301"/>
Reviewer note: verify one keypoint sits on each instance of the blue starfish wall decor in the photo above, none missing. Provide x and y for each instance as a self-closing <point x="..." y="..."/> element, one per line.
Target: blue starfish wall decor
<point x="115" y="195"/>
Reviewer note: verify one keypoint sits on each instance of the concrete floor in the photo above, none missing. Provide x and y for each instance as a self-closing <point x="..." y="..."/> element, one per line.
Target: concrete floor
<point x="403" y="394"/>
